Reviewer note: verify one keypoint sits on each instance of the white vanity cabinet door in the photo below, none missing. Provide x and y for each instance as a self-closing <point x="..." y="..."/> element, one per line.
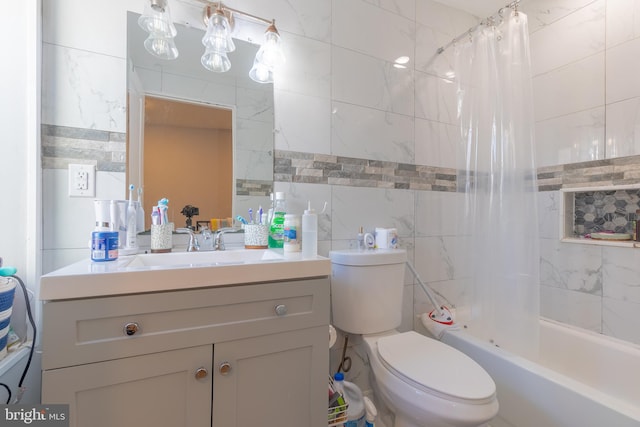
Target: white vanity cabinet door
<point x="277" y="380"/>
<point x="159" y="389"/>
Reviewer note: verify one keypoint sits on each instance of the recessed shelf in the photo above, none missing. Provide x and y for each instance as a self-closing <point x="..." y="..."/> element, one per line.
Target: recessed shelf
<point x="585" y="241"/>
<point x="589" y="210"/>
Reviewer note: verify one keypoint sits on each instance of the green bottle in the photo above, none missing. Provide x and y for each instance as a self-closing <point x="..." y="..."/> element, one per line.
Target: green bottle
<point x="276" y="230"/>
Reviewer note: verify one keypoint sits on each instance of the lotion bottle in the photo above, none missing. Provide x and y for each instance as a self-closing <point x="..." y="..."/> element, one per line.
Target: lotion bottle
<point x="309" y="233"/>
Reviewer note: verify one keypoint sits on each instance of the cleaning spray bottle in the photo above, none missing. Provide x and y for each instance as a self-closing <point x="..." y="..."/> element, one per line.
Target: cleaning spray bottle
<point x="131" y="244"/>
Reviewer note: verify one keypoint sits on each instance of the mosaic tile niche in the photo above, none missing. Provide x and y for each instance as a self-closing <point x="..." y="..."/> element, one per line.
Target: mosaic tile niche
<point x="605" y="210"/>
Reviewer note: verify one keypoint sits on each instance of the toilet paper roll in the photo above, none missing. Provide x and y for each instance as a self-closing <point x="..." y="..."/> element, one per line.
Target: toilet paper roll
<point x="333" y="336"/>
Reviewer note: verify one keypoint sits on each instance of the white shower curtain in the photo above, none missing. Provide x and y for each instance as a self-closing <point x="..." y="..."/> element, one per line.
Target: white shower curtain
<point x="497" y="176"/>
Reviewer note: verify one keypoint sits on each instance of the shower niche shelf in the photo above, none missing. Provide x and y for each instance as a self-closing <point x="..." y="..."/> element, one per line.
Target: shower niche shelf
<point x="589" y="210"/>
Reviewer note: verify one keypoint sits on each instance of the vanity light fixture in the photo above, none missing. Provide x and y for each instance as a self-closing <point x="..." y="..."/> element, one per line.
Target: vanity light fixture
<point x="218" y="43"/>
<point x="156" y="20"/>
<point x="269" y="56"/>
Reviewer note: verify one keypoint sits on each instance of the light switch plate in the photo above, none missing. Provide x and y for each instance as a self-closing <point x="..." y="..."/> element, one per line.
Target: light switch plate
<point x="82" y="180"/>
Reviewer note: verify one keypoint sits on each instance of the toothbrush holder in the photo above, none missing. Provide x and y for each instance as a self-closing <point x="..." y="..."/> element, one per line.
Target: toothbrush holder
<point x="256" y="236"/>
<point x="161" y="237"/>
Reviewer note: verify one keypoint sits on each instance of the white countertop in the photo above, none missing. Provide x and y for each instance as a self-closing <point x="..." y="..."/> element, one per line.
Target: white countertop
<point x="127" y="275"/>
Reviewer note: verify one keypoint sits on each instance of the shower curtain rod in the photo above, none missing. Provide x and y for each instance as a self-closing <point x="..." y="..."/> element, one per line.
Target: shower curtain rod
<point x="487" y="21"/>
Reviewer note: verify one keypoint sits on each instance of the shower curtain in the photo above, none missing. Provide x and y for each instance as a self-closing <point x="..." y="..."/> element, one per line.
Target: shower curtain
<point x="497" y="178"/>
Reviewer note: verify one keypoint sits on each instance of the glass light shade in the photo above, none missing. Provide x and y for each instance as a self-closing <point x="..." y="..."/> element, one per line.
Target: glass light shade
<point x="157" y="21"/>
<point x="163" y="48"/>
<point x="215" y="61"/>
<point x="270" y="53"/>
<point x="218" y="35"/>
<point x="261" y="73"/>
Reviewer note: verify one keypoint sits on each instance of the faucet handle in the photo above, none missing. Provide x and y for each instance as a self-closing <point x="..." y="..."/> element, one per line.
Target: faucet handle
<point x="218" y="242"/>
<point x="193" y="240"/>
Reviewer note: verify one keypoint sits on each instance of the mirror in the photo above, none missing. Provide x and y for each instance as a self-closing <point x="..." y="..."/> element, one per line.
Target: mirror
<point x="198" y="173"/>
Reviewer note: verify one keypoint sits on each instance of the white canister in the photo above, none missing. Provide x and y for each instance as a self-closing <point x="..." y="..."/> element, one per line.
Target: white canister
<point x="291" y="233"/>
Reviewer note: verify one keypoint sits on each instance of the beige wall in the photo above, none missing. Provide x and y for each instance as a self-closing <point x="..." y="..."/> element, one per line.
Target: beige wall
<point x="206" y="153"/>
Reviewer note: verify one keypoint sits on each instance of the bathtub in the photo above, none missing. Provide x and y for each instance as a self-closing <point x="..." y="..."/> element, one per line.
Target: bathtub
<point x="582" y="379"/>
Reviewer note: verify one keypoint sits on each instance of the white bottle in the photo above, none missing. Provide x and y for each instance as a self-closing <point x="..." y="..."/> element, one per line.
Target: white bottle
<point x="338" y="384"/>
<point x="291" y="233"/>
<point x="132" y="231"/>
<point x="309" y="233"/>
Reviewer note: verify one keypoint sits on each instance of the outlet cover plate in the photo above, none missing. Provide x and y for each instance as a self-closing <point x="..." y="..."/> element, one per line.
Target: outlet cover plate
<point x="82" y="180"/>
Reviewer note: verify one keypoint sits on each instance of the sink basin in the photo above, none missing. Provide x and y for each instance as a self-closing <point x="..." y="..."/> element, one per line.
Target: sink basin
<point x="202" y="259"/>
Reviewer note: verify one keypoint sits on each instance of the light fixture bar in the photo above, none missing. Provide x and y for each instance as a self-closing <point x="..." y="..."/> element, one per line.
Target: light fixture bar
<point x="269" y="56"/>
<point x="210" y="8"/>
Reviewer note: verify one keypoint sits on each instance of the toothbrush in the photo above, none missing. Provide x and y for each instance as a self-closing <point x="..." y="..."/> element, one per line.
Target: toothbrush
<point x="140" y="213"/>
<point x="251" y="215"/>
<point x="131" y="188"/>
<point x="132" y="220"/>
<point x="163" y="207"/>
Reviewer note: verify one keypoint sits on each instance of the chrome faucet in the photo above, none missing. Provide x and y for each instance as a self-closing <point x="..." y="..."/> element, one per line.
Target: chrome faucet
<point x="194" y="246"/>
<point x="218" y="241"/>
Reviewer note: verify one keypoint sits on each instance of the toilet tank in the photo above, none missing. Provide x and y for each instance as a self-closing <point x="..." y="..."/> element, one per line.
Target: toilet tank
<point x="366" y="289"/>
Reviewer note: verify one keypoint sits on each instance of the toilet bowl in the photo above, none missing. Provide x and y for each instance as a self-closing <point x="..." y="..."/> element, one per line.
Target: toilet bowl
<point x="424" y="382"/>
<point x="427" y="383"/>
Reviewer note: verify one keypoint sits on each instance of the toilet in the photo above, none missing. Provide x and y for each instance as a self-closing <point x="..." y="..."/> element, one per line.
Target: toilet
<point x="424" y="382"/>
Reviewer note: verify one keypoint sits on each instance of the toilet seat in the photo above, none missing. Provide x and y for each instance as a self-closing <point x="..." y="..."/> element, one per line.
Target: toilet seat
<point x="436" y="368"/>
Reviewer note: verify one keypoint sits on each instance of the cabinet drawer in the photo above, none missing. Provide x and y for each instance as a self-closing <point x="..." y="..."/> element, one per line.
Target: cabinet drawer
<point x="90" y="330"/>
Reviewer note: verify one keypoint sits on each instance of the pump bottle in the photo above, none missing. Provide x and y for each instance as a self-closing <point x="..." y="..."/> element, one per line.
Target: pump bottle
<point x="309" y="233"/>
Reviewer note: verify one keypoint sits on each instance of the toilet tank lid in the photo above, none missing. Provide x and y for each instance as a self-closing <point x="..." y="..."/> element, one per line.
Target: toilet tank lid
<point x="368" y="257"/>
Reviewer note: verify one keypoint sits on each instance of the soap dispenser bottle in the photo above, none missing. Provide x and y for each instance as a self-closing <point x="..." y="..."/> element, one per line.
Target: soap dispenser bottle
<point x="309" y="233"/>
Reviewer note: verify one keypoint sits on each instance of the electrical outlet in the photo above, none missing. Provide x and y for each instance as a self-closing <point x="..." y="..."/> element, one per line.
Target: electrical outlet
<point x="82" y="180"/>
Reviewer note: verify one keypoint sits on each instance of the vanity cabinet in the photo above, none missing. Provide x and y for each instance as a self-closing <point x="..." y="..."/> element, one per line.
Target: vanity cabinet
<point x="225" y="356"/>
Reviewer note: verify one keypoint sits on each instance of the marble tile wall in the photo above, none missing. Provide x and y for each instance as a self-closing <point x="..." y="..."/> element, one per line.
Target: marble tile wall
<point x="592" y="287"/>
<point x="585" y="62"/>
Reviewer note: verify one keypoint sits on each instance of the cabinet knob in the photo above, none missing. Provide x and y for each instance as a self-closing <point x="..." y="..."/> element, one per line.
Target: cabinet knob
<point x="201" y="373"/>
<point x="281" y="309"/>
<point x="225" y="368"/>
<point x="131" y="328"/>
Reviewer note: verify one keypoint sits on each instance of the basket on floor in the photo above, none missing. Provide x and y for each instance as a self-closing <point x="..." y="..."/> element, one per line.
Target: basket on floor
<point x="5" y="318"/>
<point x="7" y="290"/>
<point x="4" y="337"/>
